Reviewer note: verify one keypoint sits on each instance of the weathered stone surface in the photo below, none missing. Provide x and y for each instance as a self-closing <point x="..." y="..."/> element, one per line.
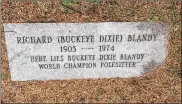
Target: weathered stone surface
<point x="47" y="51"/>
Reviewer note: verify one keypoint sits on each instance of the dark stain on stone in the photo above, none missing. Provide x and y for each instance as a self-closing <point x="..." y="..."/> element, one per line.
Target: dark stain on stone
<point x="150" y="66"/>
<point x="11" y="31"/>
<point x="155" y="27"/>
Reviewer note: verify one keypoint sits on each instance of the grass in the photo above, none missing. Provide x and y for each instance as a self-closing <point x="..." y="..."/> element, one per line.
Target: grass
<point x="89" y="19"/>
<point x="94" y="1"/>
<point x="4" y="76"/>
<point x="67" y="5"/>
<point x="68" y="2"/>
<point x="174" y="12"/>
<point x="162" y="85"/>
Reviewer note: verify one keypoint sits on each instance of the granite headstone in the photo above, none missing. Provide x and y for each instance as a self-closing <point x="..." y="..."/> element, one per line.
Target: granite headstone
<point x="59" y="51"/>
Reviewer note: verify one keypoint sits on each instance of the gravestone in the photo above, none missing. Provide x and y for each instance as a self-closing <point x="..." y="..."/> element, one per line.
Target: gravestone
<point x="59" y="51"/>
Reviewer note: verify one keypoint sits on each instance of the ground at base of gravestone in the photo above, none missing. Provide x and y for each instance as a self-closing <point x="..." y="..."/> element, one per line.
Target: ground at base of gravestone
<point x="162" y="85"/>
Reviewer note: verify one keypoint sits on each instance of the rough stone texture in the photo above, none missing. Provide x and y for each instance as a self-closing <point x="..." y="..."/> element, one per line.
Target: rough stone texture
<point x="19" y="54"/>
